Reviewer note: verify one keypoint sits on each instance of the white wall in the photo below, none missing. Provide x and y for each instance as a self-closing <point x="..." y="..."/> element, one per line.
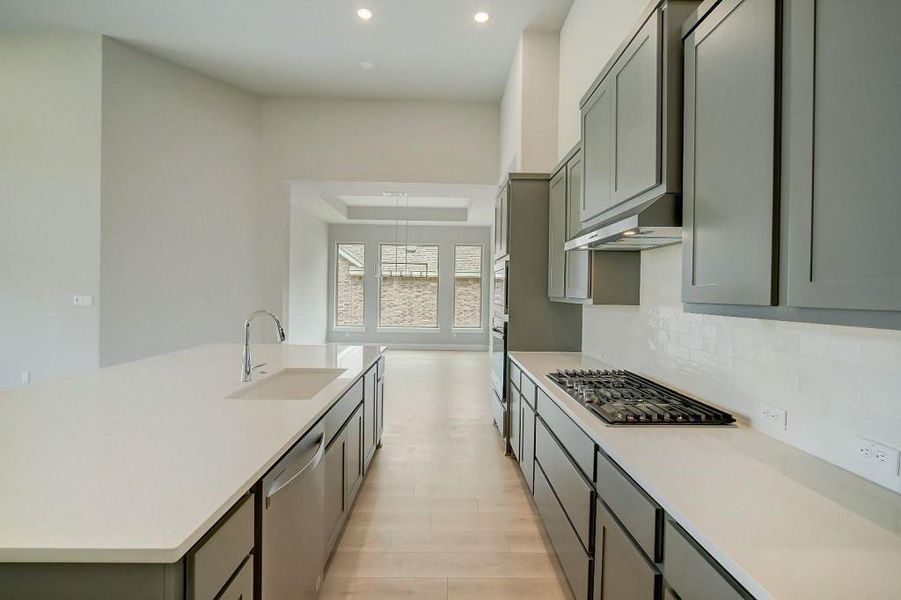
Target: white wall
<point x="528" y="121"/>
<point x="49" y="203"/>
<point x="308" y="278"/>
<point x="835" y="382"/>
<point x="445" y="237"/>
<point x="186" y="238"/>
<point x="358" y="140"/>
<point x="592" y="31"/>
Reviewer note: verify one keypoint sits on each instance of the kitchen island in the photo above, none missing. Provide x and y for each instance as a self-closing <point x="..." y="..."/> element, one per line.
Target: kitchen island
<point x="136" y="463"/>
<point x="779" y="522"/>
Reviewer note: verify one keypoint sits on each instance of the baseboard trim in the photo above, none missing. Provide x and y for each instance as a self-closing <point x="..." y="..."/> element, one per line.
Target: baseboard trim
<point x="451" y="347"/>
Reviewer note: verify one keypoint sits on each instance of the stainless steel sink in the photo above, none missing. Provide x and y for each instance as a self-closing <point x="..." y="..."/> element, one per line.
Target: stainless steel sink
<point x="290" y="384"/>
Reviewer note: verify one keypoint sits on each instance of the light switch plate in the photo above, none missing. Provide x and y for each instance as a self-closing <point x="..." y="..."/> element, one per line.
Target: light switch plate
<point x="79" y="300"/>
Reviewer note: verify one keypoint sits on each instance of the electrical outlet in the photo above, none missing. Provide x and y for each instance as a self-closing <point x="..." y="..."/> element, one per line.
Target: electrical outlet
<point x="773" y="417"/>
<point x="26" y="376"/>
<point x="879" y="458"/>
<point x="79" y="300"/>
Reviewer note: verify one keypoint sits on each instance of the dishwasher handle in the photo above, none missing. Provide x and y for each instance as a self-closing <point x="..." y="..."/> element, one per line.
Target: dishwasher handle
<point x="288" y="475"/>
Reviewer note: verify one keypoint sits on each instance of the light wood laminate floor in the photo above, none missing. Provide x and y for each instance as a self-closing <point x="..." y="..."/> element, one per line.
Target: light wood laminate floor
<point x="442" y="513"/>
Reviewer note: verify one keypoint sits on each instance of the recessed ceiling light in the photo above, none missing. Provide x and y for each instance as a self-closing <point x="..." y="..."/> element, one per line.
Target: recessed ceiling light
<point x="481" y="17"/>
<point x="367" y="65"/>
<point x="364" y="13"/>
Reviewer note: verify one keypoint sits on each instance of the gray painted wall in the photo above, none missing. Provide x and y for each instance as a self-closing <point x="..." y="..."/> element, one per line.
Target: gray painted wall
<point x="445" y="237"/>
<point x="49" y="203"/>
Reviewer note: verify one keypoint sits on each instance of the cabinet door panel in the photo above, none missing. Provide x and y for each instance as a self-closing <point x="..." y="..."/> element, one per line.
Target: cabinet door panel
<point x="335" y="498"/>
<point x="369" y="414"/>
<point x="636" y="156"/>
<point x="597" y="144"/>
<point x="621" y="572"/>
<point x="578" y="262"/>
<point x="514" y="433"/>
<point x="556" y="256"/>
<point x="845" y="140"/>
<point x="527" y="456"/>
<point x="729" y="196"/>
<point x="353" y="457"/>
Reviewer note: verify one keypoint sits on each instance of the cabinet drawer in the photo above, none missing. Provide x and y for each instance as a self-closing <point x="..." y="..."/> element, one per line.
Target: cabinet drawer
<point x="528" y="390"/>
<point x="343" y="408"/>
<point x="692" y="574"/>
<point x="579" y="446"/>
<point x="640" y="515"/>
<point x="515" y="375"/>
<point x="514" y="434"/>
<point x="213" y="561"/>
<point x="621" y="571"/>
<point x="574" y="493"/>
<point x="573" y="559"/>
<point x="241" y="587"/>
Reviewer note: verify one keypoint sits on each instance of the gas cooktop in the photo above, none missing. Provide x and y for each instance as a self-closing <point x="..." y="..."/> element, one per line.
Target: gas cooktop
<point x="624" y="398"/>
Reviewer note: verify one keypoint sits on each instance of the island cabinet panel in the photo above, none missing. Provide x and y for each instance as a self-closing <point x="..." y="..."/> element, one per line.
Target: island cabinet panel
<point x="621" y="570"/>
<point x="380" y="404"/>
<point x="844" y="142"/>
<point x="92" y="581"/>
<point x="338" y="414"/>
<point x="343" y="475"/>
<point x="556" y="260"/>
<point x="370" y="424"/>
<point x="730" y="199"/>
<point x="220" y="554"/>
<point x="574" y="560"/>
<point x="335" y="483"/>
<point x="241" y="586"/>
<point x="636" y="106"/>
<point x="691" y="575"/>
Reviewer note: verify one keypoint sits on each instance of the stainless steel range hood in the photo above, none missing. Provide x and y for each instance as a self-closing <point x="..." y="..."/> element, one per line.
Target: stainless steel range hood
<point x="637" y="224"/>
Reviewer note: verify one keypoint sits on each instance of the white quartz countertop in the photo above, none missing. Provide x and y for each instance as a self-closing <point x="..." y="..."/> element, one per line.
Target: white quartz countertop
<point x="784" y="523"/>
<point x="134" y="463"/>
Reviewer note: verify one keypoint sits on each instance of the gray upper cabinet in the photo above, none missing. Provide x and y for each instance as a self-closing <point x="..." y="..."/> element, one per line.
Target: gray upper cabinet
<point x="578" y="262"/>
<point x="636" y="108"/>
<point x="844" y="136"/>
<point x="597" y="152"/>
<point x="502" y="223"/>
<point x="632" y="118"/>
<point x="730" y="155"/>
<point x="556" y="260"/>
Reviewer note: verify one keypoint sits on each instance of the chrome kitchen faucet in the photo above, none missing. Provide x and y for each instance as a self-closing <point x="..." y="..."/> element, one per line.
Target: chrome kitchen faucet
<point x="247" y="369"/>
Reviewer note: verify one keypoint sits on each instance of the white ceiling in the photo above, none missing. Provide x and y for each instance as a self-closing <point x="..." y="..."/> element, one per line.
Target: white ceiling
<point x="422" y="49"/>
<point x="363" y="202"/>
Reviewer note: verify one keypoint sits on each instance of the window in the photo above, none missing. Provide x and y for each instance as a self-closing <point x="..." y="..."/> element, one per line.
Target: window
<point x="467" y="287"/>
<point x="408" y="289"/>
<point x="350" y="268"/>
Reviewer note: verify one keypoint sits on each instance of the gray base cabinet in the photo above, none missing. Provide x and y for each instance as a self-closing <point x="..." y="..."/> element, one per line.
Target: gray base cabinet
<point x="370" y="421"/>
<point x="343" y="475"/>
<point x="514" y="435"/>
<point x="621" y="570"/>
<point x="576" y="563"/>
<point x="730" y="157"/>
<point x="690" y="575"/>
<point x="527" y="454"/>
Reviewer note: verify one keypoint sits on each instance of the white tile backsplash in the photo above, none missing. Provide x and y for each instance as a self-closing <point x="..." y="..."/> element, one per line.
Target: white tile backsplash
<point x="834" y="382"/>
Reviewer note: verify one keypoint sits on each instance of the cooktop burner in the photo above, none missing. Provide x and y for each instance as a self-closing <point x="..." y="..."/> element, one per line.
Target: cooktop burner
<point x="624" y="398"/>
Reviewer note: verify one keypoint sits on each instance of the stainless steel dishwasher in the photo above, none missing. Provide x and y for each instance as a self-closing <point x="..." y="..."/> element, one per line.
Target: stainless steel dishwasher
<point x="293" y="517"/>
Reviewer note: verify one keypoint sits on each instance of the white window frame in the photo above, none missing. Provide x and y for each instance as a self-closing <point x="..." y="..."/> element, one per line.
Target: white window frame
<point x="481" y="327"/>
<point x="348" y="328"/>
<point x="378" y="301"/>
